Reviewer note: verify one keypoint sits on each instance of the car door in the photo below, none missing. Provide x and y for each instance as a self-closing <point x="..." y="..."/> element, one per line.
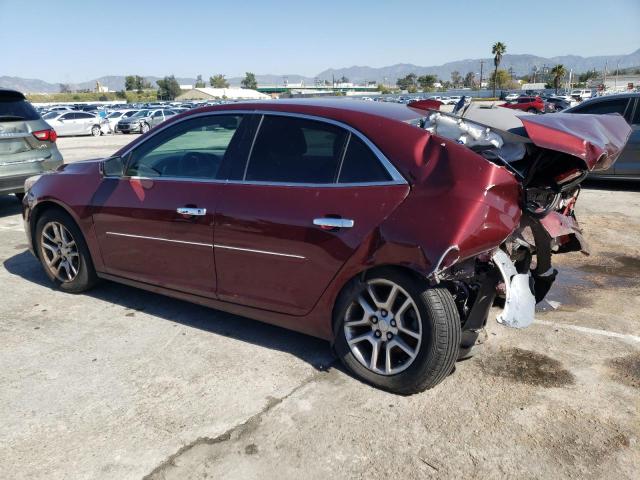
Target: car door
<point x="312" y="191"/>
<point x="85" y="122"/>
<point x="157" y="118"/>
<point x="64" y="124"/>
<point x="154" y="223"/>
<point x="628" y="164"/>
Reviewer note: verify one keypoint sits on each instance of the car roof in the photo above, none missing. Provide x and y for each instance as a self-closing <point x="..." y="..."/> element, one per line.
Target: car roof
<point x="9" y="93"/>
<point x="334" y="109"/>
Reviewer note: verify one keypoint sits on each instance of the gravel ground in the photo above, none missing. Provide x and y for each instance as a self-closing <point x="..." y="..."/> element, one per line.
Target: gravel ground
<point x="124" y="384"/>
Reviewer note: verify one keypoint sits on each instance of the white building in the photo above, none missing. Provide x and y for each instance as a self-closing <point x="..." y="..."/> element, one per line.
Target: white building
<point x="209" y="93"/>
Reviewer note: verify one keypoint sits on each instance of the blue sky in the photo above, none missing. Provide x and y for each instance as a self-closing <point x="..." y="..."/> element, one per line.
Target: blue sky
<point x="69" y="41"/>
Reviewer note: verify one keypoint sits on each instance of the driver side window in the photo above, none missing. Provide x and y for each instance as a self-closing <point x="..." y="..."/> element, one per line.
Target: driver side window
<point x="190" y="149"/>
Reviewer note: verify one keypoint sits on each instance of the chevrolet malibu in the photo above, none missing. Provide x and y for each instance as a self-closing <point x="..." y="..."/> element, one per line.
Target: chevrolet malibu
<point x="386" y="229"/>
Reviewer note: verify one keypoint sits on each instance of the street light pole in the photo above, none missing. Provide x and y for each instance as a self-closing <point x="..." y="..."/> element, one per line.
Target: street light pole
<point x="481" y="65"/>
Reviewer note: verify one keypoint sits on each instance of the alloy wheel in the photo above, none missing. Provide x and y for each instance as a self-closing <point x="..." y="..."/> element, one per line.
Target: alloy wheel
<point x="383" y="327"/>
<point x="59" y="251"/>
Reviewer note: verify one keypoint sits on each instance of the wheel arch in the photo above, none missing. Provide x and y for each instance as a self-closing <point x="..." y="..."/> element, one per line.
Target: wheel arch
<point x="47" y="206"/>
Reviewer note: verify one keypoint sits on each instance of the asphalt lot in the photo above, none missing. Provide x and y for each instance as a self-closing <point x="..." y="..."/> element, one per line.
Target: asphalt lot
<point x="124" y="384"/>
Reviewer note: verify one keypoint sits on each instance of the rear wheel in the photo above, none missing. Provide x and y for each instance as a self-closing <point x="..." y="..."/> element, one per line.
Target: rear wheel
<point x="64" y="253"/>
<point x="532" y="110"/>
<point x="397" y="333"/>
<point x="95" y="131"/>
<point x="144" y="128"/>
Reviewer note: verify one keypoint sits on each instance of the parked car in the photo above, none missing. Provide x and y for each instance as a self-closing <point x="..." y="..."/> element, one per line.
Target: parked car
<point x="511" y="97"/>
<point x="527" y="104"/>
<point x="581" y="94"/>
<point x="628" y="105"/>
<point x="76" y="123"/>
<point x="27" y="143"/>
<point x="144" y="120"/>
<point x="303" y="214"/>
<point x="556" y="104"/>
<point x="114" y="117"/>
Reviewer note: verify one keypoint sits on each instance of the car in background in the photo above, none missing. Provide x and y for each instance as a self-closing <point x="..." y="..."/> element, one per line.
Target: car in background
<point x="511" y="97"/>
<point x="580" y="94"/>
<point x="114" y="117"/>
<point x="144" y="120"/>
<point x="76" y="123"/>
<point x="527" y="104"/>
<point x="556" y="104"/>
<point x="627" y="167"/>
<point x="27" y="143"/>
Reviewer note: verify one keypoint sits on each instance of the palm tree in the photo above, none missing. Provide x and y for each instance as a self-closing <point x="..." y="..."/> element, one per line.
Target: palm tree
<point x="498" y="50"/>
<point x="558" y="73"/>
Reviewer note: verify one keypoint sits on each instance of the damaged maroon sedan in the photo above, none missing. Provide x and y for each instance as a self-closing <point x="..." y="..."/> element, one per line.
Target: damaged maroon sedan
<point x="386" y="229"/>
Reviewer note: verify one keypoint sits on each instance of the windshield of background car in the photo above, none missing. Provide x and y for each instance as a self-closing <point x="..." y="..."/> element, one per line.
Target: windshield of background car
<point x="114" y="115"/>
<point x="12" y="108"/>
<point x="141" y="113"/>
<point x="50" y="115"/>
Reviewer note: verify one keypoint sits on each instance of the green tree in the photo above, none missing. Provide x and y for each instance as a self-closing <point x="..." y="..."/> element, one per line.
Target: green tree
<point x="249" y="81"/>
<point x="129" y="83"/>
<point x="426" y="82"/>
<point x="407" y="83"/>
<point x="218" y="81"/>
<point x="199" y="82"/>
<point x="470" y="80"/>
<point x="169" y="88"/>
<point x="456" y="79"/>
<point x="558" y="73"/>
<point x="500" y="79"/>
<point x="64" y="88"/>
<point x="498" y="50"/>
<point x="382" y="89"/>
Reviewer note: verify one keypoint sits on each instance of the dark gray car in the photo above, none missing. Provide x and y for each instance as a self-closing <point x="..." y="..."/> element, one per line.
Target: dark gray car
<point x="27" y="143"/>
<point x="627" y="167"/>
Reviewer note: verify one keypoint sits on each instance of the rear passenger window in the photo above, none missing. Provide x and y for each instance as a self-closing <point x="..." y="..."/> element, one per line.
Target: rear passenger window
<point x="605" y="106"/>
<point x="296" y="150"/>
<point x="361" y="165"/>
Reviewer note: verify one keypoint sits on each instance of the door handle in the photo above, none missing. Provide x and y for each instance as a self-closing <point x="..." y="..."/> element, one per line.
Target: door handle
<point x="197" y="212"/>
<point x="329" y="222"/>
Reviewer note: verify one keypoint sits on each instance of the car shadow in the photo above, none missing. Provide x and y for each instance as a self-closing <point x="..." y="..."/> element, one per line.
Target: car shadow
<point x="9" y="205"/>
<point x="311" y="350"/>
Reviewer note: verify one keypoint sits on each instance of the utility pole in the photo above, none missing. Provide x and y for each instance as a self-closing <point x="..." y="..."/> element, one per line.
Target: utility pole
<point x="615" y="83"/>
<point x="481" y="65"/>
<point x="604" y="79"/>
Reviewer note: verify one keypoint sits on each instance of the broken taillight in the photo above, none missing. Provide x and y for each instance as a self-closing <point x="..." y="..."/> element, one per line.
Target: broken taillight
<point x="46" y="135"/>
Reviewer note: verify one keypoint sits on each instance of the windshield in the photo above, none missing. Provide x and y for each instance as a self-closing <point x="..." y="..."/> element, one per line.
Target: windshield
<point x="114" y="115"/>
<point x="141" y="113"/>
<point x="16" y="109"/>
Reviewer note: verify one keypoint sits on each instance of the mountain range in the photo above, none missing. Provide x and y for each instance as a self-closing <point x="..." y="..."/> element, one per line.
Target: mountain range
<point x="520" y="63"/>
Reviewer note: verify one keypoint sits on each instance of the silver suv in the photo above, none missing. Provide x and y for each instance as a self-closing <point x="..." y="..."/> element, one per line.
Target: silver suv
<point x="27" y="143"/>
<point x="144" y="120"/>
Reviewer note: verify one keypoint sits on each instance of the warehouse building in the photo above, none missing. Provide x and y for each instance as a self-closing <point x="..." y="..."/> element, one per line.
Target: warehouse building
<point x="222" y="93"/>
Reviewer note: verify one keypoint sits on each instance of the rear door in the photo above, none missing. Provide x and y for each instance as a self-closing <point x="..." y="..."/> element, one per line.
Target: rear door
<point x="155" y="223"/>
<point x="157" y="118"/>
<point x="84" y="122"/>
<point x="311" y="193"/>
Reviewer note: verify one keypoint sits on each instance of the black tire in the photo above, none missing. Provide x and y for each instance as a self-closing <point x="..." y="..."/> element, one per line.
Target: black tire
<point x="532" y="110"/>
<point x="86" y="276"/>
<point x="19" y="196"/>
<point x="438" y="350"/>
<point x="144" y="128"/>
<point x="96" y="131"/>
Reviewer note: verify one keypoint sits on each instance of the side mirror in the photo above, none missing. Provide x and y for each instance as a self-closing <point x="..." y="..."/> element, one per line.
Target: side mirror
<point x="112" y="167"/>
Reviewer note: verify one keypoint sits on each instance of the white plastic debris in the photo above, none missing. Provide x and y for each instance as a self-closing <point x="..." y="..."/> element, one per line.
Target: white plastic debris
<point x="462" y="131"/>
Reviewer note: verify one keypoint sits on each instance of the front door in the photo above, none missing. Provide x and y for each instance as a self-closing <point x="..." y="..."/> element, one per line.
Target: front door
<point x="155" y="223"/>
<point x="298" y="213"/>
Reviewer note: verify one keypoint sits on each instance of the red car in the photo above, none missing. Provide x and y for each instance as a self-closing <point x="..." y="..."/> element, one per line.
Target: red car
<point x="527" y="104"/>
<point x="376" y="226"/>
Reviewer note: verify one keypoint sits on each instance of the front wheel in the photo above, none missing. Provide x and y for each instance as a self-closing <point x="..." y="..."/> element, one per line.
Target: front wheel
<point x="396" y="333"/>
<point x="64" y="253"/>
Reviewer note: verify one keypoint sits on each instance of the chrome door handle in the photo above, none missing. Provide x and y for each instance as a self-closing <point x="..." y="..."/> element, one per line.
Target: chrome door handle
<point x="198" y="212"/>
<point x="329" y="222"/>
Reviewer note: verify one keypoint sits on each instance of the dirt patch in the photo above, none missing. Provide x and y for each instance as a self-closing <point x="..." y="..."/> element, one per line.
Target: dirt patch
<point x="626" y="370"/>
<point x="615" y="266"/>
<point x="528" y="367"/>
<point x="251" y="449"/>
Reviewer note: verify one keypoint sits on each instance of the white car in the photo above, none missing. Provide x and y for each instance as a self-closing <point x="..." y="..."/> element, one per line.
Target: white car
<point x="581" y="94"/>
<point x="76" y="123"/>
<point x="114" y="117"/>
<point x="511" y="97"/>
